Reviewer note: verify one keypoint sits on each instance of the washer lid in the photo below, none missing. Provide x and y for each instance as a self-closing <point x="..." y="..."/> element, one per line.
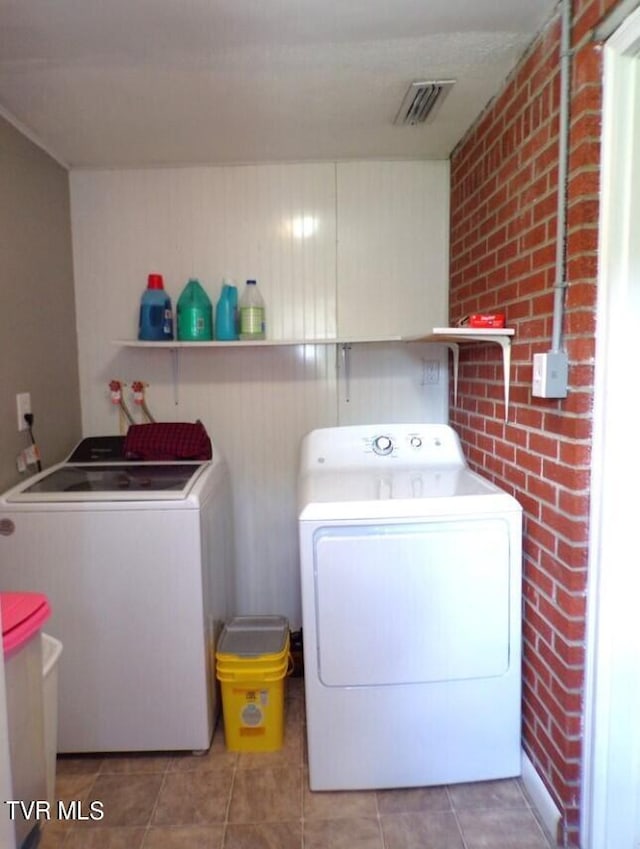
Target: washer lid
<point x="404" y="493"/>
<point x="112" y="482"/>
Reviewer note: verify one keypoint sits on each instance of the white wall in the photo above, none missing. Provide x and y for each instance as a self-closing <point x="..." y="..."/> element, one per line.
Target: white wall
<point x="375" y="263"/>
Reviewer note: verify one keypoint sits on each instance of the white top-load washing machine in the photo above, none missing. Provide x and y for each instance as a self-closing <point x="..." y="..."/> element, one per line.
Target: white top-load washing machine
<point x="411" y="604"/>
<point x="136" y="561"/>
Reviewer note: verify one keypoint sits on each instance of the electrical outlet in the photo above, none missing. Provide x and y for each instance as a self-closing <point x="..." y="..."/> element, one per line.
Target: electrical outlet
<point x="23" y="402"/>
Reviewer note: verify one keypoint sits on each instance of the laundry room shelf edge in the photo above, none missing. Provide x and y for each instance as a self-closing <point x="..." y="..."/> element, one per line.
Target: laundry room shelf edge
<point x="257" y="343"/>
<point x="453" y="337"/>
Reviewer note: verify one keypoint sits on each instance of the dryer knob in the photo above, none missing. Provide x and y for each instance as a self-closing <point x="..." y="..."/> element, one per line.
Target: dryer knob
<point x="416" y="442"/>
<point x="382" y="445"/>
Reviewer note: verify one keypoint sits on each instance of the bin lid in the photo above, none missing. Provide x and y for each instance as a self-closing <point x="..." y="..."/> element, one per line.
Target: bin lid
<point x="250" y="636"/>
<point x="22" y="615"/>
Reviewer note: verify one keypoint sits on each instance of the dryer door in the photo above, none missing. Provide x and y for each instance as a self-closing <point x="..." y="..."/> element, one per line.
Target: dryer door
<point x="412" y="603"/>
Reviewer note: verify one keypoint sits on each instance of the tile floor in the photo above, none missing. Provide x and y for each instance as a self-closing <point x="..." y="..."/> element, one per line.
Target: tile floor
<point x="223" y="800"/>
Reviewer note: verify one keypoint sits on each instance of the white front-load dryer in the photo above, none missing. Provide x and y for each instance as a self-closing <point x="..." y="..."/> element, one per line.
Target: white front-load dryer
<point x="411" y="599"/>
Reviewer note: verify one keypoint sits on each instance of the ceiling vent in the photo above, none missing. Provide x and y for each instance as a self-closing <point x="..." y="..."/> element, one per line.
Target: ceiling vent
<point x="422" y="101"/>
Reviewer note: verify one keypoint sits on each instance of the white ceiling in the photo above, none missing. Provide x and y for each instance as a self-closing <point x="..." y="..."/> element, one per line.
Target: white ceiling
<point x="158" y="82"/>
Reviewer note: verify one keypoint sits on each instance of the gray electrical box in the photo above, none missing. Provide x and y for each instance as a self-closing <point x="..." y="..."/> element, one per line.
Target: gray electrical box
<point x="550" y="375"/>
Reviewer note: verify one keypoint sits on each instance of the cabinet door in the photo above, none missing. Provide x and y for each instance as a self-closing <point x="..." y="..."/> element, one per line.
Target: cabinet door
<point x="393" y="247"/>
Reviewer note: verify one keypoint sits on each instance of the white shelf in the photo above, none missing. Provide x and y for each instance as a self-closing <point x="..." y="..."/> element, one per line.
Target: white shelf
<point x="175" y="345"/>
<point x="453" y="337"/>
<point x="438" y="334"/>
<point x="466" y="334"/>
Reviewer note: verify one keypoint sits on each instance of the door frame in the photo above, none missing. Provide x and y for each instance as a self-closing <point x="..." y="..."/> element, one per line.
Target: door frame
<point x="611" y="762"/>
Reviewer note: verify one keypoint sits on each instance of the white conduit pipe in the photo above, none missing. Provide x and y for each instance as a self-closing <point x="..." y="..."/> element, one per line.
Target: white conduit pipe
<point x="563" y="162"/>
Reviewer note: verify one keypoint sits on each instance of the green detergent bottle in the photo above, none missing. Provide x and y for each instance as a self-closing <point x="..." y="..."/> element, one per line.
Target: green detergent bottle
<point x="195" y="314"/>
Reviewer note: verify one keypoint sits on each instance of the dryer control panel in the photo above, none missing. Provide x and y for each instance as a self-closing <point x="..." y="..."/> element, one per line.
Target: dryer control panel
<point x="421" y="446"/>
<point x="430" y="445"/>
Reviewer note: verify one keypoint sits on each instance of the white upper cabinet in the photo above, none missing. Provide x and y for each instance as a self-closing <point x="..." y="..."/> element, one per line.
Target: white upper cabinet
<point x="393" y="247"/>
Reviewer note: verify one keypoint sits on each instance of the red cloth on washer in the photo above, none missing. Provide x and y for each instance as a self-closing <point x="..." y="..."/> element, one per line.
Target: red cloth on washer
<point x="168" y="441"/>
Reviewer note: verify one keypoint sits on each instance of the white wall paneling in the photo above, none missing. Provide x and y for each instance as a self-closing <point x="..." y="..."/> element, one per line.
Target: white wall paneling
<point x="394" y="382"/>
<point x="393" y="247"/>
<point x="281" y="225"/>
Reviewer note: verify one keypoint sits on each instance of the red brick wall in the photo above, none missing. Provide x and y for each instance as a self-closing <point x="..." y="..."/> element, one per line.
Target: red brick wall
<point x="503" y="245"/>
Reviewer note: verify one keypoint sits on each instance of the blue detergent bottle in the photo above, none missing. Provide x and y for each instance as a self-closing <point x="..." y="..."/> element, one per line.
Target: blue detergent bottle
<point x="226" y="327"/>
<point x="155" y="323"/>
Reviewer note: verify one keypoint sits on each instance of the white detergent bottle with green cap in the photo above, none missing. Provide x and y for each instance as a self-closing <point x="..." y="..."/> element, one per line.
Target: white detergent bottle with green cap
<point x="252" y="317"/>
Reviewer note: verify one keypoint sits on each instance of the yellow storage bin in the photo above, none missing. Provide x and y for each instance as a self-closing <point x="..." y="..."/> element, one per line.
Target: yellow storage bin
<point x="252" y="662"/>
